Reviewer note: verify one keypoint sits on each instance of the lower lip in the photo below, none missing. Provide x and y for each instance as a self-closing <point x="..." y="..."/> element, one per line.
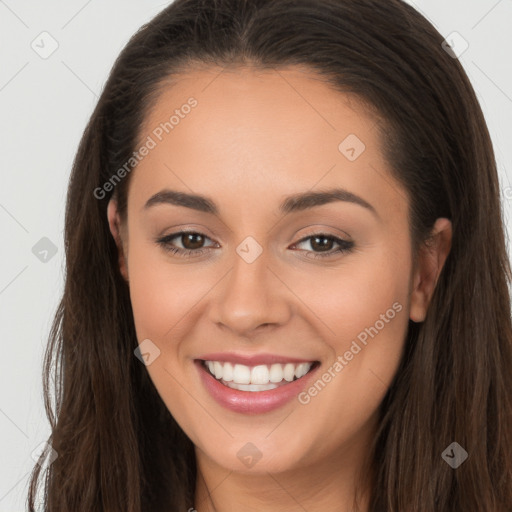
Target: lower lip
<point x="252" y="402"/>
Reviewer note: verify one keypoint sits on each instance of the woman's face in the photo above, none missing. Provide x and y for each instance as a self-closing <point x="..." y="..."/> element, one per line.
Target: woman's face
<point x="279" y="279"/>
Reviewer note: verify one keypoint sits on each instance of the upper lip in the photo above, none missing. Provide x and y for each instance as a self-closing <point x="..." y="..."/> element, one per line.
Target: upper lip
<point x="252" y="359"/>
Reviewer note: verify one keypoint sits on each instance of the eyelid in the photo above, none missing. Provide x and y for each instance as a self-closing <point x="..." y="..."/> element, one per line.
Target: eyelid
<point x="177" y="235"/>
<point x="309" y="233"/>
<point x="344" y="246"/>
<point x="325" y="232"/>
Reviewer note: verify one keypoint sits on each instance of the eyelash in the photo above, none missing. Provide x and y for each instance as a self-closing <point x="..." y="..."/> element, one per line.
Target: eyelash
<point x="345" y="246"/>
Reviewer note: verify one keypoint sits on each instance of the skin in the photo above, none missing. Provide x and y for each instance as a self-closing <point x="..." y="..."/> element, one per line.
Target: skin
<point x="254" y="138"/>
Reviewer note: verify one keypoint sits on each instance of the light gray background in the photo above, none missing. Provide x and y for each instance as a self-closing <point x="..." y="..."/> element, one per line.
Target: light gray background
<point x="45" y="104"/>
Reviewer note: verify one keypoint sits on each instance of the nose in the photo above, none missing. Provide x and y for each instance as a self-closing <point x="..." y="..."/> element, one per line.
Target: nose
<point x="250" y="297"/>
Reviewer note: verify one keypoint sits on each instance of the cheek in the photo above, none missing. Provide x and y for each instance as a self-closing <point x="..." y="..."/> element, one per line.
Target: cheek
<point x="364" y="311"/>
<point x="161" y="293"/>
<point x="153" y="298"/>
<point x="353" y="297"/>
<point x="163" y="296"/>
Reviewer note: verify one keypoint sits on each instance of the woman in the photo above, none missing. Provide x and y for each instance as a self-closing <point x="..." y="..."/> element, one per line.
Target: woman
<point x="287" y="280"/>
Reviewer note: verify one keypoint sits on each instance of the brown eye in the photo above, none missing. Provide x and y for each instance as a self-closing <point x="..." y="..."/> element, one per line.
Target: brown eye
<point x="192" y="240"/>
<point x="192" y="243"/>
<point x="325" y="245"/>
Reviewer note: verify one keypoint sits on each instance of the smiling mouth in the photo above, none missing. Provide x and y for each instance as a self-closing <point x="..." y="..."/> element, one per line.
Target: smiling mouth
<point x="261" y="377"/>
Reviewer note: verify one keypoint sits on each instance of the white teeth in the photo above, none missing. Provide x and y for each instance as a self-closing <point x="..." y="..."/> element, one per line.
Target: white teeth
<point x="289" y="372"/>
<point x="276" y="373"/>
<point x="227" y="372"/>
<point x="258" y="378"/>
<point x="251" y="387"/>
<point x="259" y="374"/>
<point x="241" y="374"/>
<point x="302" y="369"/>
<point x="217" y="368"/>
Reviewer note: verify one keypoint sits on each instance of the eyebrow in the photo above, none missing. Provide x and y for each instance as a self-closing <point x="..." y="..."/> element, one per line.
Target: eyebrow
<point x="293" y="203"/>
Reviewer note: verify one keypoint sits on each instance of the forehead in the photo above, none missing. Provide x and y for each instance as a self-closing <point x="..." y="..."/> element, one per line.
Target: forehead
<point x="241" y="98"/>
<point x="258" y="131"/>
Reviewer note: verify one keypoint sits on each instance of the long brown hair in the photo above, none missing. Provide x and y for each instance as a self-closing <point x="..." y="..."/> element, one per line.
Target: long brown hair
<point x="119" y="448"/>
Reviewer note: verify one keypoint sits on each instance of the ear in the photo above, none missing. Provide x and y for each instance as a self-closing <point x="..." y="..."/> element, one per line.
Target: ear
<point x="114" y="222"/>
<point x="431" y="259"/>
